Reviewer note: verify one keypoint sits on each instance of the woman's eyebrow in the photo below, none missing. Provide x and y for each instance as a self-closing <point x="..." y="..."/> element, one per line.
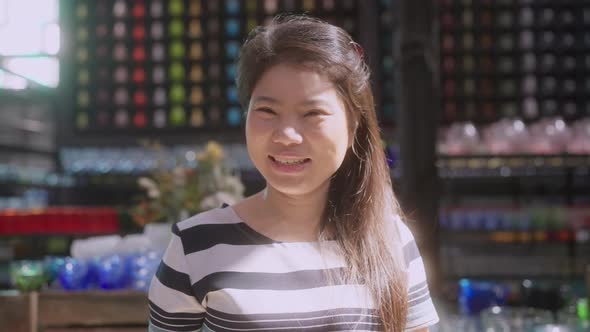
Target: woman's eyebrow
<point x="315" y="102"/>
<point x="305" y="103"/>
<point x="265" y="99"/>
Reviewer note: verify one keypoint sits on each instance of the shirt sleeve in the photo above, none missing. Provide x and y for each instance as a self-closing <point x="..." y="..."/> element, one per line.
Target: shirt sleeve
<point x="421" y="310"/>
<point x="172" y="305"/>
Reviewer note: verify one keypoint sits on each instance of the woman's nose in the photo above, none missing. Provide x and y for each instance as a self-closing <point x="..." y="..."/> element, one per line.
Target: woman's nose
<point x="287" y="135"/>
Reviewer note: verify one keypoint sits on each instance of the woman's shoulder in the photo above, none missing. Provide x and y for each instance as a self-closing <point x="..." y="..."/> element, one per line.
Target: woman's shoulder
<point x="217" y="216"/>
<point x="402" y="230"/>
<point x="408" y="249"/>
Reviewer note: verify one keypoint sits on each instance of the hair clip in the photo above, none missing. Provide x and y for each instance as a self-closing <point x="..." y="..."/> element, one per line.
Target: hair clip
<point x="358" y="49"/>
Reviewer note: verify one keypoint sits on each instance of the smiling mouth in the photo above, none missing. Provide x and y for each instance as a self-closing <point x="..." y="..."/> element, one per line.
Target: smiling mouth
<point x="289" y="161"/>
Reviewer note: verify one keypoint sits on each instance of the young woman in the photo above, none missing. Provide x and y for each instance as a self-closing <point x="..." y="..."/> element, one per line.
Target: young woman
<point x="323" y="247"/>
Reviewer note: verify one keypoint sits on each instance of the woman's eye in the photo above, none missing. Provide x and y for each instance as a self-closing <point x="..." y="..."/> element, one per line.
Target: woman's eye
<point x="265" y="110"/>
<point x="312" y="113"/>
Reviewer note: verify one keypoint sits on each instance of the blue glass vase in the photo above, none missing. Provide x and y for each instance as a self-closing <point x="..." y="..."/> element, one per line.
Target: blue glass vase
<point x="75" y="274"/>
<point x="113" y="272"/>
<point x="51" y="267"/>
<point x="143" y="269"/>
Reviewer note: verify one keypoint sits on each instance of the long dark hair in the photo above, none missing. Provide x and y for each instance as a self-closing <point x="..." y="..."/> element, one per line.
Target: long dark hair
<point x="358" y="214"/>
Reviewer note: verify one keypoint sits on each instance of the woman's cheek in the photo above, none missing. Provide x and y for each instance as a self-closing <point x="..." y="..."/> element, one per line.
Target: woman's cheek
<point x="259" y="126"/>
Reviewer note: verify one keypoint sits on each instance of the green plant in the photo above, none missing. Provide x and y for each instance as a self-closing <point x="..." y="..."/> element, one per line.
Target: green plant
<point x="173" y="195"/>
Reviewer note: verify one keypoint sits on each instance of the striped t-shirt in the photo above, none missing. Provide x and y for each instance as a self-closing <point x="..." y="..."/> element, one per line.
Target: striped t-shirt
<point x="218" y="274"/>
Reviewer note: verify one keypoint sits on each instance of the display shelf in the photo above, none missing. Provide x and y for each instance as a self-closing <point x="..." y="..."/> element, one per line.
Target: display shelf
<point x="163" y="67"/>
<point x="9" y="148"/>
<point x="519" y="225"/>
<point x="498" y="166"/>
<point x="511" y="49"/>
<point x="496" y="260"/>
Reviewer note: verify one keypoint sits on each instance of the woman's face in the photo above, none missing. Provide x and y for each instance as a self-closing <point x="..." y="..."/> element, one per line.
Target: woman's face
<point x="297" y="131"/>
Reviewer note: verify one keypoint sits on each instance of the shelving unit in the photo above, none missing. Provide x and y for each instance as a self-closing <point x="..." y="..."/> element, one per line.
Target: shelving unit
<point x="504" y="59"/>
<point x="515" y="217"/>
<point x="159" y="67"/>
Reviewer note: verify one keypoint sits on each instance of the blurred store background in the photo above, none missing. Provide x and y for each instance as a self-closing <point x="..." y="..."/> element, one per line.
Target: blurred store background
<point x="118" y="117"/>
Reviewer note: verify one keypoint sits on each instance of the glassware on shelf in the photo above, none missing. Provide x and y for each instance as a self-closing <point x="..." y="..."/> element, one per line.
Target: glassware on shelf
<point x="507" y="136"/>
<point x="76" y="274"/>
<point x="51" y="267"/>
<point x="553" y="328"/>
<point x="579" y="142"/>
<point x="496" y="319"/>
<point x="462" y="323"/>
<point x="549" y="136"/>
<point x="27" y="275"/>
<point x="502" y="318"/>
<point x="461" y="138"/>
<point x="475" y="296"/>
<point x="143" y="268"/>
<point x="583" y="314"/>
<point x="112" y="272"/>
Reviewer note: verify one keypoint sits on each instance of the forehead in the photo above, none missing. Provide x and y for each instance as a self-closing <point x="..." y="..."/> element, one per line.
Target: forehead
<point x="288" y="82"/>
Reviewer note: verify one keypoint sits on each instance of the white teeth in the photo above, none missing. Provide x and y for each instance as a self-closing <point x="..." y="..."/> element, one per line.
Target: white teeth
<point x="289" y="162"/>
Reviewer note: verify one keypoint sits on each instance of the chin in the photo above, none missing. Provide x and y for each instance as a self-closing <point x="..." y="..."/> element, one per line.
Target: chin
<point x="295" y="187"/>
<point x="290" y="187"/>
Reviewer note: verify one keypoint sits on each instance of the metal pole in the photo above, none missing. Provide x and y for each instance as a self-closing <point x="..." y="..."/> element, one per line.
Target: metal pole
<point x="417" y="127"/>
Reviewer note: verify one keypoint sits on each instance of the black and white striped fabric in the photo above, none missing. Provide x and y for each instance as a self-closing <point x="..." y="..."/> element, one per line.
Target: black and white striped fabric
<point x="218" y="274"/>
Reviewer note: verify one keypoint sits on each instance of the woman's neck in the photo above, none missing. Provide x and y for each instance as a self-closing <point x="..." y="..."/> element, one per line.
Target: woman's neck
<point x="283" y="217"/>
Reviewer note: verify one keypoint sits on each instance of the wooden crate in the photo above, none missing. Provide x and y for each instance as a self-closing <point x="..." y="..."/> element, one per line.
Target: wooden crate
<point x="15" y="311"/>
<point x="54" y="311"/>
